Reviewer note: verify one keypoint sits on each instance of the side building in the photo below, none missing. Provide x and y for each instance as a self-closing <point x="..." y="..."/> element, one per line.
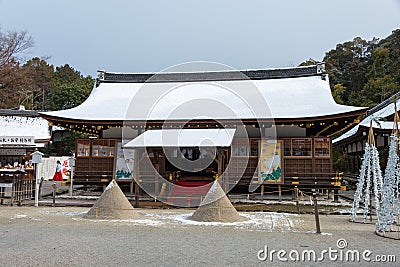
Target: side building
<point x="352" y="143"/>
<point x="21" y="132"/>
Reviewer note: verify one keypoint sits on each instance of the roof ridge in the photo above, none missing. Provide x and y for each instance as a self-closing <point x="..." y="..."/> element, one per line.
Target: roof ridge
<point x="383" y="104"/>
<point x="226" y="75"/>
<point x="20" y="113"/>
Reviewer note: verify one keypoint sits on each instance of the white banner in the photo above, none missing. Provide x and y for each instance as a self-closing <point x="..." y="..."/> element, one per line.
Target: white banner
<point x="125" y="162"/>
<point x="17" y="140"/>
<point x="48" y="167"/>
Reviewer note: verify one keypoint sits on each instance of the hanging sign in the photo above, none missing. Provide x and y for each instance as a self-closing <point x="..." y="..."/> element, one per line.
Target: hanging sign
<point x="124" y="163"/>
<point x="270" y="167"/>
<point x="17" y="140"/>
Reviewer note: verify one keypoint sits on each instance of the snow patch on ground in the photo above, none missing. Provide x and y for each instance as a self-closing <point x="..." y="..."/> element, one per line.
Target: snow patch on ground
<point x="18" y="216"/>
<point x="271" y="222"/>
<point x="257" y="221"/>
<point x="64" y="213"/>
<point x="147" y="222"/>
<point x="310" y="232"/>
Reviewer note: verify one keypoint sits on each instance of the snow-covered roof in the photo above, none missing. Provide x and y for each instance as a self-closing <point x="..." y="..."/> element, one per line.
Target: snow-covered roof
<point x="284" y="98"/>
<point x="385" y="112"/>
<point x="24" y="126"/>
<point x="183" y="138"/>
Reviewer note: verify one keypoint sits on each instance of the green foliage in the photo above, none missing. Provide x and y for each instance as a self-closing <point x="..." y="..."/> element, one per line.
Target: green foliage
<point x="380" y="59"/>
<point x="68" y="142"/>
<point x="364" y="73"/>
<point x="67" y="145"/>
<point x="378" y="89"/>
<point x="346" y="65"/>
<point x="69" y="88"/>
<point x="338" y="92"/>
<point x="308" y="62"/>
<point x="40" y="75"/>
<point x="50" y="150"/>
<point x="340" y="160"/>
<point x="37" y="85"/>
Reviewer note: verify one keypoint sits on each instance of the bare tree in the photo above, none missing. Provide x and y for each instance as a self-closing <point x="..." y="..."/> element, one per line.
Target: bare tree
<point x="12" y="45"/>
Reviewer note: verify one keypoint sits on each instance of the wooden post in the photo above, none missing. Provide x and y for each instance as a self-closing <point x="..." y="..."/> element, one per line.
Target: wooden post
<point x="262" y="191"/>
<point x="280" y="192"/>
<point x="398" y="226"/>
<point x="156" y="173"/>
<point x="136" y="175"/>
<point x="131" y="186"/>
<point x="336" y="196"/>
<point x="40" y="188"/>
<point x="219" y="162"/>
<point x="317" y="225"/>
<point x="2" y="192"/>
<point x="12" y="190"/>
<point x="54" y="193"/>
<point x="297" y="200"/>
<point x="137" y="192"/>
<point x="156" y="184"/>
<point x="396" y="120"/>
<point x="225" y="170"/>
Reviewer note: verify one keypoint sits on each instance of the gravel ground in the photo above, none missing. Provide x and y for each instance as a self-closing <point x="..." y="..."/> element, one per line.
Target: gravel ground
<point x="59" y="236"/>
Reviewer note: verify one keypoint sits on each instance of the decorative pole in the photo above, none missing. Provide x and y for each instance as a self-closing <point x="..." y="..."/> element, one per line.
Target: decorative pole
<point x="390" y="189"/>
<point x="369" y="167"/>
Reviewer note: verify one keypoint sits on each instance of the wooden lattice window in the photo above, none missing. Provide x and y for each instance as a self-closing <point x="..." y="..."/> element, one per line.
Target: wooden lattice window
<point x="83" y="148"/>
<point x="322" y="147"/>
<point x="297" y="147"/>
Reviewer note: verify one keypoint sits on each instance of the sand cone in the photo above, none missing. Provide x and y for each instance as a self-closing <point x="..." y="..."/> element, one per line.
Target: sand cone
<point x="112" y="204"/>
<point x="216" y="207"/>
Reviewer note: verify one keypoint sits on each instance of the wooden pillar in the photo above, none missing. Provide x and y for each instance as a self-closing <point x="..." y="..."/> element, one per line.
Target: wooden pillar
<point x="156" y="173"/>
<point x="262" y="191"/>
<point x="13" y="189"/>
<point x="225" y="161"/>
<point x="136" y="175"/>
<point x="219" y="162"/>
<point x="137" y="193"/>
<point x="336" y="195"/>
<point x="131" y="186"/>
<point x="313" y="167"/>
<point x="280" y="192"/>
<point x="226" y="179"/>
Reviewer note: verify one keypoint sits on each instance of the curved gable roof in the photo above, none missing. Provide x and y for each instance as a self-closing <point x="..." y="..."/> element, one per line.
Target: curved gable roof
<point x="278" y="98"/>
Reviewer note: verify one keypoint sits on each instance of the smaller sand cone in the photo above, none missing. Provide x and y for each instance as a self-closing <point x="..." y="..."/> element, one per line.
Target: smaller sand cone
<point x="112" y="204"/>
<point x="216" y="207"/>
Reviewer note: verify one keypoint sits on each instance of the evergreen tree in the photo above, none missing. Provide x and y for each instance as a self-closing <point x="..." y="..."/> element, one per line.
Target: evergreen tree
<point x="40" y="75"/>
<point x="69" y="88"/>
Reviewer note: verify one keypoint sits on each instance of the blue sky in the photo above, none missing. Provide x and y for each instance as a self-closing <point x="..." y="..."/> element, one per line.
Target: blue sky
<point x="149" y="36"/>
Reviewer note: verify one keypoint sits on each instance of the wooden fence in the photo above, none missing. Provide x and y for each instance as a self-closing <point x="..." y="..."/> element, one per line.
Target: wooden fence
<point x="16" y="186"/>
